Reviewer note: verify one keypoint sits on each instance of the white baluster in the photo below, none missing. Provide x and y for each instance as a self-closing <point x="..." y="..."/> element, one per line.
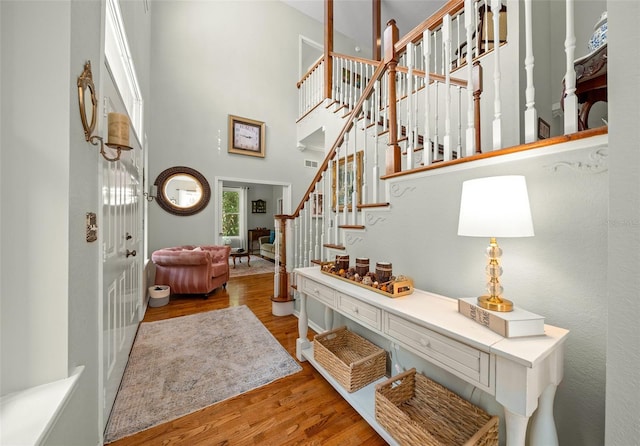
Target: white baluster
<point x="469" y="15"/>
<point x="410" y="144"/>
<point x="336" y="211"/>
<point x="354" y="192"/>
<point x="296" y="242"/>
<point x="375" y="173"/>
<point x="530" y="114"/>
<point x="497" y="104"/>
<point x="457" y="52"/>
<point x="316" y="251"/>
<point x="426" y="138"/>
<point x="476" y="14"/>
<point x="346" y="199"/>
<point x="365" y="149"/>
<point x="352" y="79"/>
<point x="486" y="24"/>
<point x="446" y="40"/>
<point x="305" y="220"/>
<point x="323" y="219"/>
<point x="310" y="248"/>
<point x="343" y="84"/>
<point x="435" y="51"/>
<point x="436" y="115"/>
<point x="384" y="103"/>
<point x="459" y="145"/>
<point x="570" y="98"/>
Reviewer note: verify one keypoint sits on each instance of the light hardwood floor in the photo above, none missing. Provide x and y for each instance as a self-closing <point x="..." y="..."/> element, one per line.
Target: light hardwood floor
<point x="301" y="409"/>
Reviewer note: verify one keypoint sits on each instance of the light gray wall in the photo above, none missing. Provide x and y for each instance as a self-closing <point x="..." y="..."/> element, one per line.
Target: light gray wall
<point x="49" y="273"/>
<point x="28" y="358"/>
<point x="207" y="64"/>
<point x="623" y="337"/>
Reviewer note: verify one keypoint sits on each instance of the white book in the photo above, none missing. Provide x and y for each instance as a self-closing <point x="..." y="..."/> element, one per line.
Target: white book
<point x="511" y="324"/>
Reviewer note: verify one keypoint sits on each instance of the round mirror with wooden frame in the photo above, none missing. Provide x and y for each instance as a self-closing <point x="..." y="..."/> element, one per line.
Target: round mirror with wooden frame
<point x="182" y="191"/>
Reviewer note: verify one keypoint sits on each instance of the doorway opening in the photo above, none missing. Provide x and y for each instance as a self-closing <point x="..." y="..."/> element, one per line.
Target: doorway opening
<point x="276" y="196"/>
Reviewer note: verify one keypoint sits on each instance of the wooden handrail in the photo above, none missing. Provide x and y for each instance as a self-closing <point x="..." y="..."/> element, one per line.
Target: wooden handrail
<point x="452" y="7"/>
<point x="311" y="70"/>
<point x="373" y="63"/>
<point x="434" y="76"/>
<point x="506" y="151"/>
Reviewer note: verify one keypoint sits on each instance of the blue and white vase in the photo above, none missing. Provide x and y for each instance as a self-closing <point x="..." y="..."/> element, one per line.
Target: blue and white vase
<point x="599" y="36"/>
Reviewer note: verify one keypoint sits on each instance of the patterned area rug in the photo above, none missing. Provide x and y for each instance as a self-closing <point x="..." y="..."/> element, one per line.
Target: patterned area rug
<point x="258" y="266"/>
<point x="183" y="364"/>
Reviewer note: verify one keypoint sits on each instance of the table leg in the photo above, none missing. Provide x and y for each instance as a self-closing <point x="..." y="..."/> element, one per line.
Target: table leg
<point x="543" y="427"/>
<point x="303" y="326"/>
<point x="516" y="428"/>
<point x="248" y="260"/>
<point x="234" y="262"/>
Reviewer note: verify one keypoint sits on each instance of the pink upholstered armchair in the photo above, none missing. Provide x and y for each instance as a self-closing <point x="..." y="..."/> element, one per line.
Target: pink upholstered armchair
<point x="192" y="269"/>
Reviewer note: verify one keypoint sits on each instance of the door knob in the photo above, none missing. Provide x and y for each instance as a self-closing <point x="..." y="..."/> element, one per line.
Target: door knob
<point x="131" y="253"/>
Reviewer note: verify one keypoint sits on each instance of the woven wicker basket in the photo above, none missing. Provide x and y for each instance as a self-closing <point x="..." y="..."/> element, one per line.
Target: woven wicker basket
<point x="352" y="360"/>
<point x="418" y="411"/>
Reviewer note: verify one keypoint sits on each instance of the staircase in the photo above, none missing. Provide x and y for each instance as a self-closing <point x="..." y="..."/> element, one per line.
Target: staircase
<point x="420" y="109"/>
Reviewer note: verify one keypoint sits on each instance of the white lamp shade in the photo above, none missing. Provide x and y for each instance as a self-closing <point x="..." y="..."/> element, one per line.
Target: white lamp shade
<point x="495" y="207"/>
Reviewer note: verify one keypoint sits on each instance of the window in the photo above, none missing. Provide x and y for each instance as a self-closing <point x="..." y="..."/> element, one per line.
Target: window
<point x="233" y="215"/>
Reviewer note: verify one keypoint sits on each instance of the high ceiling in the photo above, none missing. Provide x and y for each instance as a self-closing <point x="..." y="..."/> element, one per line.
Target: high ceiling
<point x="353" y="17"/>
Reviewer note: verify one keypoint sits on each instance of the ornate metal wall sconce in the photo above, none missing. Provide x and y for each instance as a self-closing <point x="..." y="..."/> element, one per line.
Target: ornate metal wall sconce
<point x="152" y="194"/>
<point x="118" y="124"/>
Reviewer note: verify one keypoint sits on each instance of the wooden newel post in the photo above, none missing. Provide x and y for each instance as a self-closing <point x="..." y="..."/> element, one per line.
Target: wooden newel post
<point x="393" y="159"/>
<point x="328" y="48"/>
<point x="282" y="301"/>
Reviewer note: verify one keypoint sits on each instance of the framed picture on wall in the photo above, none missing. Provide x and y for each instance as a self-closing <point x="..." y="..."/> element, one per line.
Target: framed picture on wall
<point x="345" y="177"/>
<point x="544" y="129"/>
<point x="317" y="205"/>
<point x="246" y="136"/>
<point x="259" y="207"/>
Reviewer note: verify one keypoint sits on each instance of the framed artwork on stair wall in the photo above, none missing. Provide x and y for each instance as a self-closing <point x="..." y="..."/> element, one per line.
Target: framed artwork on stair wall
<point x="317" y="205"/>
<point x="344" y="179"/>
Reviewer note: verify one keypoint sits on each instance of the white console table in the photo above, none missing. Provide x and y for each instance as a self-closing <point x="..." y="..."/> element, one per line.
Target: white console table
<point x="522" y="373"/>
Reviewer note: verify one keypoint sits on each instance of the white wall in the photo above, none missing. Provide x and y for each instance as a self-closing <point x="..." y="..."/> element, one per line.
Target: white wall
<point x="623" y="337"/>
<point x="205" y="66"/>
<point x="36" y="145"/>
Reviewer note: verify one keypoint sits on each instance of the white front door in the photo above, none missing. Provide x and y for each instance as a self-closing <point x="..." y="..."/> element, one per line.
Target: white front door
<point x="121" y="269"/>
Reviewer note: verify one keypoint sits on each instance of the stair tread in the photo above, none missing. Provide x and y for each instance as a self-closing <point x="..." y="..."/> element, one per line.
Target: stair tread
<point x="351" y="226"/>
<point x="374" y="205"/>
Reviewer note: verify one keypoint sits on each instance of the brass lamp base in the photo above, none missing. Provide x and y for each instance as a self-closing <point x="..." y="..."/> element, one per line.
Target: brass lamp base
<point x="494" y="303"/>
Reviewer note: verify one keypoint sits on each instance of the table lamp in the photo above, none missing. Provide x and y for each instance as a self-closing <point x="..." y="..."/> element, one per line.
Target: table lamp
<point x="495" y="207"/>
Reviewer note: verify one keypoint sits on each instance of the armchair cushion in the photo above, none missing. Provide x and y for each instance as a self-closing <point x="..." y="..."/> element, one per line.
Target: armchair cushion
<point x="267" y="249"/>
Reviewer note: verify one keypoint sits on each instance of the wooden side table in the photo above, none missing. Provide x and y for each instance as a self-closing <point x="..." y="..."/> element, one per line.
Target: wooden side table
<point x="591" y="83"/>
<point x="240" y="255"/>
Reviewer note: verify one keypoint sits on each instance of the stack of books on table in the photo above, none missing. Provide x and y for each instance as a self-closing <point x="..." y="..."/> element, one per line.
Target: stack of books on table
<point x="511" y="324"/>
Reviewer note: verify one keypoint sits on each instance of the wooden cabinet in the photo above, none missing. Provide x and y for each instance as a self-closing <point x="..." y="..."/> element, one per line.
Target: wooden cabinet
<point x="522" y="373"/>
